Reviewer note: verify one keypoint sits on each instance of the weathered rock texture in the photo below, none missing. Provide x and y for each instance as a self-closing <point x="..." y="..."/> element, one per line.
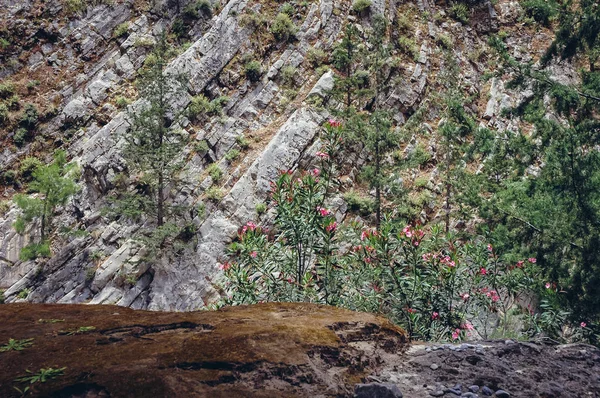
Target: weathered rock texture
<point x="270" y="350"/>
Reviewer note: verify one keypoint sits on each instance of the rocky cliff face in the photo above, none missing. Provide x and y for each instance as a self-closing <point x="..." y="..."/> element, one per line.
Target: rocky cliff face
<point x="82" y="66"/>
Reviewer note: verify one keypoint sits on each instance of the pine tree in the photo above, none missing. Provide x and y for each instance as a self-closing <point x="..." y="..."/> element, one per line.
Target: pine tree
<point x="152" y="147"/>
<point x="54" y="184"/>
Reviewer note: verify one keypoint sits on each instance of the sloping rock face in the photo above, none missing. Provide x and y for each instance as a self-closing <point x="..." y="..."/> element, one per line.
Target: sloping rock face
<point x="268" y="350"/>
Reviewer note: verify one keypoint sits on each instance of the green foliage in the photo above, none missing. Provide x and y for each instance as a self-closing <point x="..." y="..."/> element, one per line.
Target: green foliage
<point x="408" y="46"/>
<point x="41" y="376"/>
<point x="79" y="330"/>
<point x="55" y="183"/>
<point x="363" y="205"/>
<point x="444" y="41"/>
<point x="153" y="147"/>
<point x="75" y="6"/>
<point x="282" y="28"/>
<point x="4" y="43"/>
<point x="215" y="172"/>
<point x="253" y="70"/>
<point x="4" y="115"/>
<point x="316" y="56"/>
<point x="201" y="147"/>
<point x="460" y="12"/>
<point x="200" y="106"/>
<point x="122" y="102"/>
<point x="20" y="137"/>
<point x="288" y="74"/>
<point x="7" y="90"/>
<point x="29" y="118"/>
<point x="16" y="345"/>
<point x="32" y="84"/>
<point x="232" y="155"/>
<point x="121" y="30"/>
<point x="288" y="9"/>
<point x="542" y="11"/>
<point x="359" y="6"/>
<point x="28" y="166"/>
<point x="34" y="250"/>
<point x="261" y="208"/>
<point x="242" y="141"/>
<point x="23" y="294"/>
<point x="215" y="194"/>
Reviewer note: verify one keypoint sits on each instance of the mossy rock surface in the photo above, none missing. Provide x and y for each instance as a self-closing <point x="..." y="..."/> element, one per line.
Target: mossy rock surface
<point x="265" y="350"/>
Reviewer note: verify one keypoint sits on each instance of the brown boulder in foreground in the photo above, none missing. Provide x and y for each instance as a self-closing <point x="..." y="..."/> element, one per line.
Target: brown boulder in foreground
<point x="266" y="350"/>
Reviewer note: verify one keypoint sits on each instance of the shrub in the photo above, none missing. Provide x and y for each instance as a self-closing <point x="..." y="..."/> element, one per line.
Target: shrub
<point x="252" y="20"/>
<point x="432" y="284"/>
<point x="201" y="147"/>
<point x="283" y="28"/>
<point x="4" y="115"/>
<point x="445" y="41"/>
<point x="30" y="116"/>
<point x="32" y="84"/>
<point x="358" y="203"/>
<point x="122" y="102"/>
<point x="75" y="6"/>
<point x="179" y="28"/>
<point x="253" y="70"/>
<point x="288" y="9"/>
<point x="242" y="141"/>
<point x="28" y="166"/>
<point x="9" y="177"/>
<point x="316" y="56"/>
<point x="191" y="11"/>
<point x="408" y="46"/>
<point x="4" y="44"/>
<point x="460" y="12"/>
<point x="232" y="155"/>
<point x="542" y="11"/>
<point x="204" y="7"/>
<point x="21" y="136"/>
<point x="288" y="73"/>
<point x="121" y="30"/>
<point x="404" y="22"/>
<point x="200" y="105"/>
<point x="215" y="172"/>
<point x="13" y="102"/>
<point x="4" y="207"/>
<point x="7" y="90"/>
<point x="34" y="250"/>
<point x="360" y="6"/>
<point x="215" y="194"/>
<point x="261" y="208"/>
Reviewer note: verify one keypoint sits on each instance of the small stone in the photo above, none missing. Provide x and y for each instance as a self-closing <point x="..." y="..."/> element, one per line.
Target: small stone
<point x="434" y="366"/>
<point x="437" y="393"/>
<point x="502" y="394"/>
<point x="487" y="391"/>
<point x="377" y="390"/>
<point x="508" y="342"/>
<point x="469" y="395"/>
<point x="453" y="391"/>
<point x="428" y="349"/>
<point x="474" y="388"/>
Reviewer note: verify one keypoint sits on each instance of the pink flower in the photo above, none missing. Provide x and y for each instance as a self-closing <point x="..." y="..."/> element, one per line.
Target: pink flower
<point x="315" y="172"/>
<point x="520" y="264"/>
<point x="490" y="248"/>
<point x="483" y="271"/>
<point x="322" y="155"/>
<point x="427" y="256"/>
<point x="532" y="260"/>
<point x="407" y="231"/>
<point x="225" y="266"/>
<point x="583" y="324"/>
<point x="456" y="334"/>
<point x="253" y="254"/>
<point x="323" y="211"/>
<point x="334" y="123"/>
<point x="467" y="326"/>
<point x="411" y="310"/>
<point x="465" y="296"/>
<point x="547" y="285"/>
<point x="416" y="243"/>
<point x="447" y="261"/>
<point x="435" y="315"/>
<point x="368" y="260"/>
<point x="331" y="227"/>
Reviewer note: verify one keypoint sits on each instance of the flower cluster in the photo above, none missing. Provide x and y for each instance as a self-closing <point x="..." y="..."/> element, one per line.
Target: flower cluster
<point x="334" y="123"/>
